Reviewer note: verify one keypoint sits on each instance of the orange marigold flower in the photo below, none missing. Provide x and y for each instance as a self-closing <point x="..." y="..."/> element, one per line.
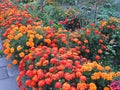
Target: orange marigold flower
<point x="107" y="68"/>
<point x="104" y="75"/>
<point x="48" y="41"/>
<point x="46" y="62"/>
<point x="14" y="62"/>
<point x="118" y="73"/>
<point x="16" y="37"/>
<point x="9" y="66"/>
<point x="99" y="67"/>
<point x="27" y="43"/>
<point x="66" y="86"/>
<point x="81" y="86"/>
<point x="6" y="51"/>
<point x="8" y="56"/>
<point x="93" y="77"/>
<point x="85" y="41"/>
<point x="22" y="54"/>
<point x="87" y="50"/>
<point x="92" y="86"/>
<point x="100" y="51"/>
<point x="106" y="88"/>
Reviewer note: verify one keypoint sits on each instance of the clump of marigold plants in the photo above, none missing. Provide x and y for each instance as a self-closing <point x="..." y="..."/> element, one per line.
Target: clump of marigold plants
<point x="46" y="68"/>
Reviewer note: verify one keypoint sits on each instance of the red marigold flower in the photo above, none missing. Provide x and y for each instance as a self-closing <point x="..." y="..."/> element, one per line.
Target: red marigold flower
<point x="97" y="57"/>
<point x="58" y="85"/>
<point x="41" y="83"/>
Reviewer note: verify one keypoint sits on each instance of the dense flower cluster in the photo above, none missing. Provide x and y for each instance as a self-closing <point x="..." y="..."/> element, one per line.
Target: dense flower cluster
<point x="10" y="15"/>
<point x="57" y="68"/>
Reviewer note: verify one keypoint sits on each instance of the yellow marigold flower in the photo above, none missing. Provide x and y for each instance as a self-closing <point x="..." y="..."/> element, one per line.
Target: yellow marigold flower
<point x="59" y="29"/>
<point x="32" y="36"/>
<point x="16" y="28"/>
<point x="16" y="37"/>
<point x="10" y="37"/>
<point x="27" y="43"/>
<point x="14" y="62"/>
<point x="103" y="23"/>
<point x="30" y="39"/>
<point x="106" y="88"/>
<point x="12" y="50"/>
<point x="22" y="28"/>
<point x="38" y="36"/>
<point x="89" y="68"/>
<point x="19" y="48"/>
<point x="22" y="54"/>
<point x="19" y="35"/>
<point x="92" y="86"/>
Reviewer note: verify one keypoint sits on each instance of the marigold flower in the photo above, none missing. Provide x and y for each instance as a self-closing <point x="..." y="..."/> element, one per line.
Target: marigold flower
<point x="38" y="36"/>
<point x="109" y="77"/>
<point x="22" y="54"/>
<point x="99" y="67"/>
<point x="103" y="23"/>
<point x="107" y="68"/>
<point x="27" y="43"/>
<point x="19" y="48"/>
<point x="93" y="77"/>
<point x="106" y="88"/>
<point x="100" y="51"/>
<point x="66" y="86"/>
<point x="118" y="74"/>
<point x="14" y="62"/>
<point x="46" y="62"/>
<point x="12" y="50"/>
<point x="16" y="37"/>
<point x="92" y="86"/>
<point x="6" y="51"/>
<point x="8" y="56"/>
<point x="97" y="57"/>
<point x="58" y="85"/>
<point x="83" y="78"/>
<point x="104" y="75"/>
<point x="9" y="66"/>
<point x="81" y="86"/>
<point x="85" y="41"/>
